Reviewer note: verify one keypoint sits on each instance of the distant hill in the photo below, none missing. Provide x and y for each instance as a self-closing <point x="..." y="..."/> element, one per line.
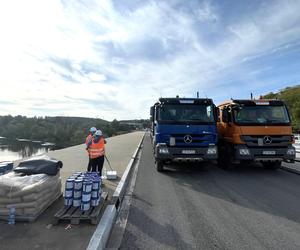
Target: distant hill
<point x="63" y="131"/>
<point x="291" y="95"/>
<point x="142" y="123"/>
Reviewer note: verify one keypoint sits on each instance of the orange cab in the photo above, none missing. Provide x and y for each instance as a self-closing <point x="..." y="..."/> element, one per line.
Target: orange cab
<point x="255" y="130"/>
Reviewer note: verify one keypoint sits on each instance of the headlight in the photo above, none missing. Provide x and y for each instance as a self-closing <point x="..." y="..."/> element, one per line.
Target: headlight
<point x="163" y="150"/>
<point x="212" y="150"/>
<point x="244" y="151"/>
<point x="291" y="151"/>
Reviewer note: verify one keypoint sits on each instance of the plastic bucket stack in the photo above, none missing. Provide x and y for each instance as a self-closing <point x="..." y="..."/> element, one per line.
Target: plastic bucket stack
<point x="86" y="194"/>
<point x="96" y="191"/>
<point x="83" y="190"/>
<point x="69" y="189"/>
<point x="77" y="192"/>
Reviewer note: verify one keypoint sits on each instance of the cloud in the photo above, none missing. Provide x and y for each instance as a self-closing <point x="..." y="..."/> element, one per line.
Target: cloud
<point x="113" y="59"/>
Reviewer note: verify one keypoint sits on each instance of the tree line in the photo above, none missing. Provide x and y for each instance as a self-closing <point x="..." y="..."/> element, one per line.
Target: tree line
<point x="63" y="131"/>
<point x="291" y="96"/>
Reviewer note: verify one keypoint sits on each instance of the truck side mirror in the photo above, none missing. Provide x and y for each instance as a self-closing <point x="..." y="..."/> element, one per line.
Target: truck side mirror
<point x="224" y="115"/>
<point x="151" y="111"/>
<point x="229" y="115"/>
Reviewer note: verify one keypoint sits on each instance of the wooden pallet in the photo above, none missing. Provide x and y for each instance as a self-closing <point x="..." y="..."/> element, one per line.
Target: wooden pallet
<point x="74" y="215"/>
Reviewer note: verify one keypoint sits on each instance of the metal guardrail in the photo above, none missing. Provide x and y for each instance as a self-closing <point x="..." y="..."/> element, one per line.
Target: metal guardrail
<point x="297" y="146"/>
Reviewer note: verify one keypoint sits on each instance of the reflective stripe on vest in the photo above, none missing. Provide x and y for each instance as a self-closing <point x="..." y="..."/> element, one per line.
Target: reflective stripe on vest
<point x="96" y="149"/>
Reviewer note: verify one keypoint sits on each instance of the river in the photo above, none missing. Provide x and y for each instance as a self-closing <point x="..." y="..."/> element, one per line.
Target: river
<point x="11" y="150"/>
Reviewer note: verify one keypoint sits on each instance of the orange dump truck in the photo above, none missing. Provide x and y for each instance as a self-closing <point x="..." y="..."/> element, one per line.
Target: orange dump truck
<point x="255" y="130"/>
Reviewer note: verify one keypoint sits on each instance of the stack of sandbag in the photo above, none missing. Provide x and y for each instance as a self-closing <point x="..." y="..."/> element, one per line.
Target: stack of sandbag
<point x="29" y="194"/>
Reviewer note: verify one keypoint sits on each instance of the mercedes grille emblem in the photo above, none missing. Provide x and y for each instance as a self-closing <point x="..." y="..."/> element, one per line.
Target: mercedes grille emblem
<point x="187" y="139"/>
<point x="267" y="140"/>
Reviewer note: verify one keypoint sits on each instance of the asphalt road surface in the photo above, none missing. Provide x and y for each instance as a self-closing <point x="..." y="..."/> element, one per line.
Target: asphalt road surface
<point x="204" y="207"/>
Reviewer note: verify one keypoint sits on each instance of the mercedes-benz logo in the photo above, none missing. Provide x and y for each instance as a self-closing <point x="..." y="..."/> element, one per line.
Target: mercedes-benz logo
<point x="267" y="140"/>
<point x="187" y="139"/>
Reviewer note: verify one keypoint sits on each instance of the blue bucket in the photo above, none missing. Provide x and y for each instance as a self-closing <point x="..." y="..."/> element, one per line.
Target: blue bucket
<point x="96" y="184"/>
<point x="95" y="202"/>
<point x="69" y="193"/>
<point x="87" y="186"/>
<point x="70" y="183"/>
<point x="86" y="196"/>
<point x="95" y="194"/>
<point x="76" y="202"/>
<point x="78" y="184"/>
<point x="91" y="174"/>
<point x="85" y="206"/>
<point x="68" y="202"/>
<point x="77" y="194"/>
<point x="79" y="179"/>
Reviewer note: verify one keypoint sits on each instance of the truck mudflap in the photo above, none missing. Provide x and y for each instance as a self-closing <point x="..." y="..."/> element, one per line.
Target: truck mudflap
<point x="185" y="153"/>
<point x="242" y="152"/>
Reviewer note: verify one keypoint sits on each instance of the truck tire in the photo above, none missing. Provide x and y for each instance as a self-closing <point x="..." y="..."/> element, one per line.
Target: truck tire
<point x="159" y="166"/>
<point x="272" y="165"/>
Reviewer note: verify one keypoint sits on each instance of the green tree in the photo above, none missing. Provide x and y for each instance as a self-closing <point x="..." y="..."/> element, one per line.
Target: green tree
<point x="291" y="96"/>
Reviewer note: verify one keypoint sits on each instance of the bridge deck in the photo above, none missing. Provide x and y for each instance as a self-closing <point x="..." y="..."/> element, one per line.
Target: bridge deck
<point x="41" y="234"/>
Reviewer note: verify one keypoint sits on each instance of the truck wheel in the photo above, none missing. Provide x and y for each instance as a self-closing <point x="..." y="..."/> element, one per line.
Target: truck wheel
<point x="159" y="166"/>
<point x="272" y="165"/>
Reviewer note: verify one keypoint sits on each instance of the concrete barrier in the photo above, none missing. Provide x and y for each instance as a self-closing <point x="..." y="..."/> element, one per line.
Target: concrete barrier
<point x="102" y="232"/>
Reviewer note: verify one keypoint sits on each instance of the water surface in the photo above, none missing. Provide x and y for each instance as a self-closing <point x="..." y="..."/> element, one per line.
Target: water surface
<point x="11" y="150"/>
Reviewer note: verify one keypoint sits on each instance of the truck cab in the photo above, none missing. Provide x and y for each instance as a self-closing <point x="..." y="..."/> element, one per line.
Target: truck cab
<point x="183" y="129"/>
<point x="255" y="130"/>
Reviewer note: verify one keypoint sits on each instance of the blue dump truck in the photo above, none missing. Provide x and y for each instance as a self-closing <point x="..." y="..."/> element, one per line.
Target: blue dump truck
<point x="183" y="129"/>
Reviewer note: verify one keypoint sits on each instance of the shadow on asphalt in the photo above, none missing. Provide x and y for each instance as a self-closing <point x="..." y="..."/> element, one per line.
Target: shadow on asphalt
<point x="164" y="234"/>
<point x="136" y="197"/>
<point x="185" y="168"/>
<point x="274" y="192"/>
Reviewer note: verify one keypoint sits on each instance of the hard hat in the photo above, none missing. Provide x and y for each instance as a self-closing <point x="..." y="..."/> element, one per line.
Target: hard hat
<point x="98" y="133"/>
<point x="93" y="129"/>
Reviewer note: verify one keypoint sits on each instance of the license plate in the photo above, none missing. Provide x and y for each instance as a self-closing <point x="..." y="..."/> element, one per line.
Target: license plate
<point x="269" y="152"/>
<point x="188" y="152"/>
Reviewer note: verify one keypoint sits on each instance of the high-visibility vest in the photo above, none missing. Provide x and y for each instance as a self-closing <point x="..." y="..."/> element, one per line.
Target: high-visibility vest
<point x="96" y="149"/>
<point x="88" y="138"/>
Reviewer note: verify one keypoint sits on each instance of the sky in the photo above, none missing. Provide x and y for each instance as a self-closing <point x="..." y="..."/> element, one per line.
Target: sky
<point x="113" y="59"/>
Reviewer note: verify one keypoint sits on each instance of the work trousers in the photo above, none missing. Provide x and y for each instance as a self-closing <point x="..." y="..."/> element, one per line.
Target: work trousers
<point x="97" y="164"/>
<point x="89" y="167"/>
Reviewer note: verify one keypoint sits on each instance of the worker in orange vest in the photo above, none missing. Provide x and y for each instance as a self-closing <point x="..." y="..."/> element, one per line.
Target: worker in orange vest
<point x="96" y="150"/>
<point x="87" y="141"/>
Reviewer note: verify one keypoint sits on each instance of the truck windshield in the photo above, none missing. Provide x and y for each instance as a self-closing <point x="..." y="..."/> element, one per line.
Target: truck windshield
<point x="190" y="113"/>
<point x="261" y="115"/>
